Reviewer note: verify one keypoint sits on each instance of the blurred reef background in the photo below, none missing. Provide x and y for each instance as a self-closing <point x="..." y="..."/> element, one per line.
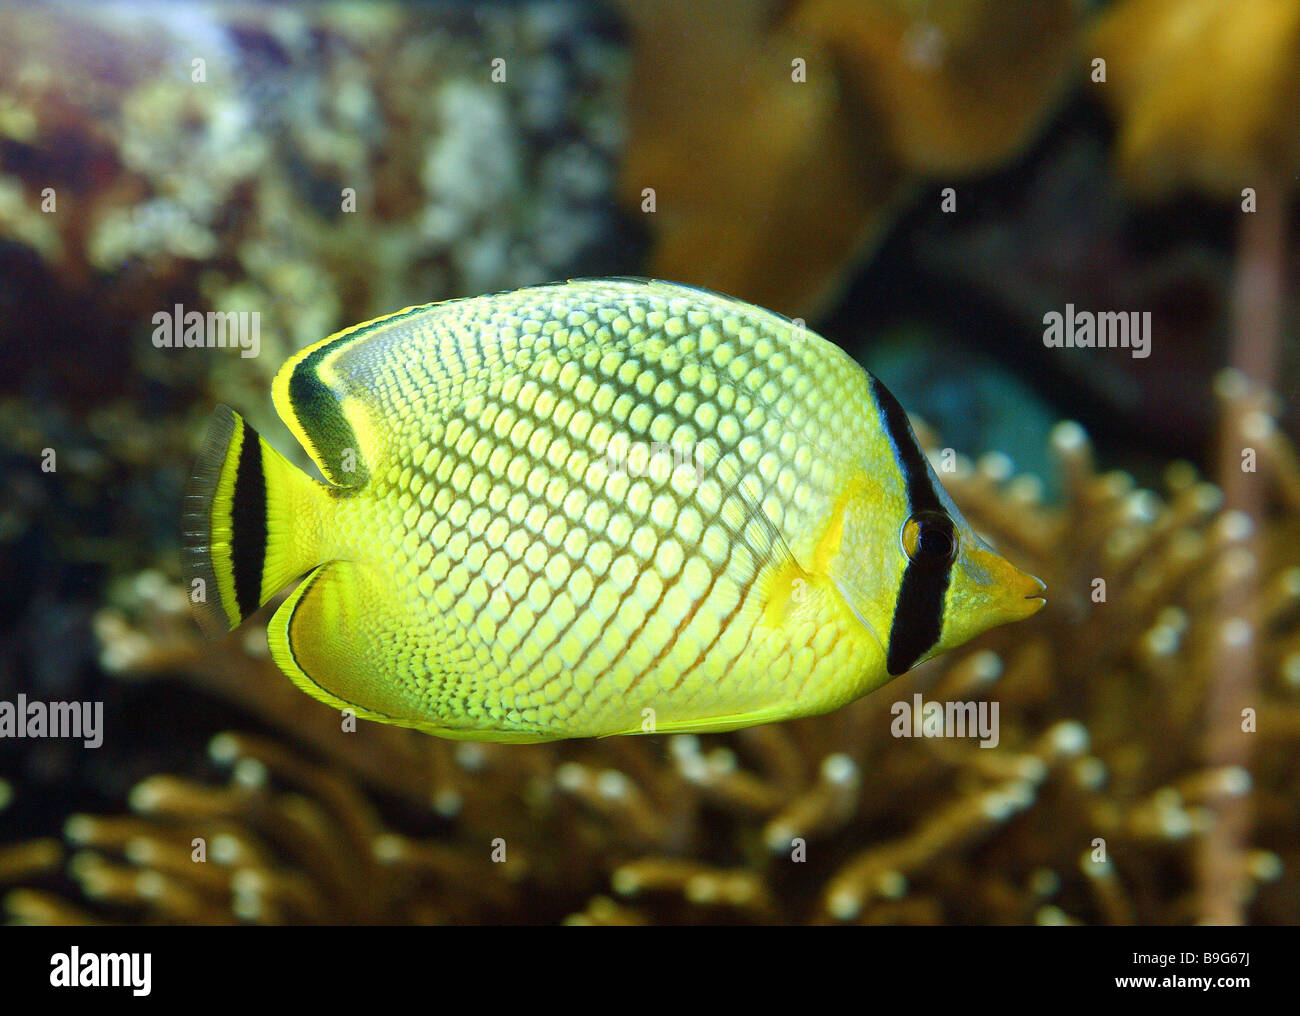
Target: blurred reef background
<point x="919" y="180"/>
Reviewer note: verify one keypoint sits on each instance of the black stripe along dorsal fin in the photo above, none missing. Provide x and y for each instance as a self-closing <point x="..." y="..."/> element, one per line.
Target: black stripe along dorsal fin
<point x="323" y="420"/>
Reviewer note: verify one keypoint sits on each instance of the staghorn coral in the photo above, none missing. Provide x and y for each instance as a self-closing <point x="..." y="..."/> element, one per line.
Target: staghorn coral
<point x="831" y="819"/>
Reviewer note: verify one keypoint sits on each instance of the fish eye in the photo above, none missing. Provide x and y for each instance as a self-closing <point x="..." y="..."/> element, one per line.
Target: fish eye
<point x="929" y="538"/>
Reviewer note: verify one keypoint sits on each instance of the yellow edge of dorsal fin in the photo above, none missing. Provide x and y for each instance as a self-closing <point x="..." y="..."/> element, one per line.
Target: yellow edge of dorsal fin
<point x="280" y="383"/>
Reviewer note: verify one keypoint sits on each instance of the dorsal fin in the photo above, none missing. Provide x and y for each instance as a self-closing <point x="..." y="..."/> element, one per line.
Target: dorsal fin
<point x="322" y="404"/>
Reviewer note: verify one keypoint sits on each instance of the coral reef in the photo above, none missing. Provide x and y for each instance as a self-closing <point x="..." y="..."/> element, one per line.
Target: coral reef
<point x="1092" y="808"/>
<point x="319" y="167"/>
<point x="788" y="187"/>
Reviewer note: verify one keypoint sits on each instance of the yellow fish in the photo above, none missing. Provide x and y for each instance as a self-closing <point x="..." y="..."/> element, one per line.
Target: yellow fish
<point x="599" y="507"/>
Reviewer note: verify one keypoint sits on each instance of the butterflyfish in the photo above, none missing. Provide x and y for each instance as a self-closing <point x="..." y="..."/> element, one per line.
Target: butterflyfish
<point x="598" y="507"/>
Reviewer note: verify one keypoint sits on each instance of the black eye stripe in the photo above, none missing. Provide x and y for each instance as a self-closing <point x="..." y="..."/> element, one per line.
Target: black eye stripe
<point x="918" y="611"/>
<point x="911" y="460"/>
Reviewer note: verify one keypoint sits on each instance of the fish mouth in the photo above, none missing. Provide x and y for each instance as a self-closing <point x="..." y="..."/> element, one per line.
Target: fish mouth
<point x="1012" y="594"/>
<point x="1033" y="601"/>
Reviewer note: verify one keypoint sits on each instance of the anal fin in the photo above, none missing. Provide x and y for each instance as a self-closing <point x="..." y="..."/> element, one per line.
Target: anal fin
<point x="711" y="724"/>
<point x="327" y="637"/>
<point x="340" y="639"/>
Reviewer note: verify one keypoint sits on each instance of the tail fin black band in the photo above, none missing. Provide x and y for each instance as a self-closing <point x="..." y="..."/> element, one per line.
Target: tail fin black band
<point x="244" y="509"/>
<point x="248" y="525"/>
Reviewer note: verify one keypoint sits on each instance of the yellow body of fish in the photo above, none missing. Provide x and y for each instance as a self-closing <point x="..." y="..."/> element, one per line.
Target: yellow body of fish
<point x="598" y="507"/>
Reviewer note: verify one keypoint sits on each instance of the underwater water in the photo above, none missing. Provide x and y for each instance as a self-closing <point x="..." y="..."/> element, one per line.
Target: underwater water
<point x="1034" y="222"/>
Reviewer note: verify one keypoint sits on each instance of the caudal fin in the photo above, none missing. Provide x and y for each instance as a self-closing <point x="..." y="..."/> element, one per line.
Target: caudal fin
<point x="242" y="533"/>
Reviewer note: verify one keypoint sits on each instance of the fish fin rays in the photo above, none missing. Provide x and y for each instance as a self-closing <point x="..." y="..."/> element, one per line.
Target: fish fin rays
<point x="668" y="287"/>
<point x="243" y="531"/>
<point x="490" y="736"/>
<point x="748" y="524"/>
<point x="340" y="395"/>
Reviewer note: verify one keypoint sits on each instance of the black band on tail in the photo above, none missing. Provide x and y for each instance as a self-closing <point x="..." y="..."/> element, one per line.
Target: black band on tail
<point x="248" y="525"/>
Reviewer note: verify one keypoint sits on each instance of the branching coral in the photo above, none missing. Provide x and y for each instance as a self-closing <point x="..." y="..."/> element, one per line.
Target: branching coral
<point x="1089" y="809"/>
<point x="1205" y="102"/>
